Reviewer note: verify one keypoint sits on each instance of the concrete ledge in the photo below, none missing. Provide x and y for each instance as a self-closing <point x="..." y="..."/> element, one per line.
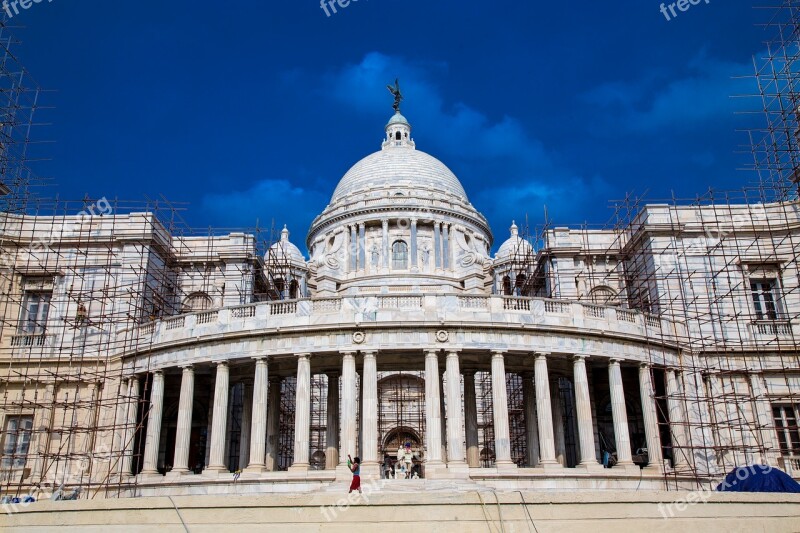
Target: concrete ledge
<point x="462" y="512"/>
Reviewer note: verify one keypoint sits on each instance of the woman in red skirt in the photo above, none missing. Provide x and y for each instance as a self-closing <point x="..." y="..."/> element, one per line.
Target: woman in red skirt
<point x="355" y="468"/>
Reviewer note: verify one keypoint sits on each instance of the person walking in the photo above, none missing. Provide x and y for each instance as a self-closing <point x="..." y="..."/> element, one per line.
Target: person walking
<point x="355" y="468"/>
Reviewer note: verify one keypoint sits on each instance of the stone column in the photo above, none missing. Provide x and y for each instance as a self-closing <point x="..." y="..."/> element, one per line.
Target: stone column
<point x="619" y="413"/>
<point x="455" y="454"/>
<point x="353" y="248"/>
<point x="153" y="439"/>
<point x="385" y="243"/>
<point x="247" y="421"/>
<point x="349" y="442"/>
<point x="547" y="444"/>
<point x="583" y="406"/>
<point x="129" y="434"/>
<point x="332" y="425"/>
<point x="655" y="460"/>
<point x="369" y="436"/>
<point x="433" y="414"/>
<point x="302" y="414"/>
<point x="273" y="423"/>
<point x="220" y="419"/>
<point x="471" y="420"/>
<point x="502" y="434"/>
<point x="437" y="245"/>
<point x="677" y="421"/>
<point x="414" y="266"/>
<point x="443" y="413"/>
<point x="446" y="246"/>
<point x="258" y="425"/>
<point x="558" y="423"/>
<point x="362" y="247"/>
<point x="183" y="434"/>
<point x="531" y="425"/>
<point x="765" y="421"/>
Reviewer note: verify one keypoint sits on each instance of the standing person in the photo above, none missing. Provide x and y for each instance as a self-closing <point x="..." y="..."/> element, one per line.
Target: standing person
<point x="355" y="468"/>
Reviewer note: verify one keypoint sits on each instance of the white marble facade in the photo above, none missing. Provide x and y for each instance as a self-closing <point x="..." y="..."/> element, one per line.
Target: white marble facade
<point x="185" y="344"/>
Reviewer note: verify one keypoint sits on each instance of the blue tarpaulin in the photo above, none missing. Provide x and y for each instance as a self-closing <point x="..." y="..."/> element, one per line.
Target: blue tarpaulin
<point x="758" y="478"/>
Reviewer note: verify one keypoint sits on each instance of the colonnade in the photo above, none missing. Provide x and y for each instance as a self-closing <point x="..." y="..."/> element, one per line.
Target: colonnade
<point x="441" y="432"/>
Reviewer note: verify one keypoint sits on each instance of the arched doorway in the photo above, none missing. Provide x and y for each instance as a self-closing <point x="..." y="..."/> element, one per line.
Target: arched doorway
<point x="401" y="417"/>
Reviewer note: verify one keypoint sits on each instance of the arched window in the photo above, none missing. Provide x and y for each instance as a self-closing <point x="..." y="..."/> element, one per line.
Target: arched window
<point x="280" y="287"/>
<point x="198" y="301"/>
<point x="293" y="290"/>
<point x="507" y="285"/>
<point x="400" y="255"/>
<point x="399" y="136"/>
<point x="603" y="296"/>
<point x="520" y="288"/>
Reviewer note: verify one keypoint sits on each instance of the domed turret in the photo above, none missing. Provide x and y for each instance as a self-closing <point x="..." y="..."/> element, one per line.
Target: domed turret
<point x="285" y="251"/>
<point x="515" y="246"/>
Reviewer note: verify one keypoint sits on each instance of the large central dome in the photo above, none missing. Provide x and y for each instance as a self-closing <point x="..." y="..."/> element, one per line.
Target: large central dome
<point x="403" y="167"/>
<point x="399" y="165"/>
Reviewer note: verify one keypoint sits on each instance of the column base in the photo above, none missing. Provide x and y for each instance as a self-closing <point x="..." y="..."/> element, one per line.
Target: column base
<point x="435" y="470"/>
<point x="176" y="474"/>
<point x="593" y="466"/>
<point x="215" y="472"/>
<point x="550" y="466"/>
<point x="254" y="469"/>
<point x="370" y="470"/>
<point x="628" y="468"/>
<point x="458" y="469"/>
<point x="505" y="465"/>
<point x="299" y="467"/>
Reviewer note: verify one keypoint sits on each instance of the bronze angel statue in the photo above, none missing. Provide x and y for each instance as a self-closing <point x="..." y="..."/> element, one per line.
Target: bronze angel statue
<point x="398" y="96"/>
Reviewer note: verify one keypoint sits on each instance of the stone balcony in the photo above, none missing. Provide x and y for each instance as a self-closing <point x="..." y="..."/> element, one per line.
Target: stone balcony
<point x="425" y="310"/>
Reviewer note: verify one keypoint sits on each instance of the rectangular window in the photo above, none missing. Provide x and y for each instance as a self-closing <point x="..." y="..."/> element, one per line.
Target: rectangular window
<point x="765" y="298"/>
<point x="786" y="425"/>
<point x="16" y="441"/>
<point x="33" y="316"/>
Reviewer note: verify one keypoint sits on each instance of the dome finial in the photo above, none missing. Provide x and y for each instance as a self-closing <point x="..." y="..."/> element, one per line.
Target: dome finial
<point x="398" y="95"/>
<point x="285" y="233"/>
<point x="514" y="228"/>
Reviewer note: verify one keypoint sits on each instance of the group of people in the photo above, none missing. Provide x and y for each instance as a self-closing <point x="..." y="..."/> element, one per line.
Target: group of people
<point x="402" y="468"/>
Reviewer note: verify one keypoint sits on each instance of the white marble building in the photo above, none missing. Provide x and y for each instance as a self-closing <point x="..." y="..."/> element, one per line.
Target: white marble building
<point x="139" y="363"/>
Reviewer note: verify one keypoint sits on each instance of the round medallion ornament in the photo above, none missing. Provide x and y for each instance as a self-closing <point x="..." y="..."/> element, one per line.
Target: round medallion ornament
<point x="359" y="337"/>
<point x="442" y="336"/>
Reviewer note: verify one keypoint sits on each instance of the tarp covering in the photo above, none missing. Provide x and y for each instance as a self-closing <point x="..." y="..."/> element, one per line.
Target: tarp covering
<point x="758" y="478"/>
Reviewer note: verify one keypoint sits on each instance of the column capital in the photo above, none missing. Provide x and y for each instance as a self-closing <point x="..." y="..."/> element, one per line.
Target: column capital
<point x="369" y="353"/>
<point x="158" y="372"/>
<point x="260" y="358"/>
<point x="432" y="352"/>
<point x="539" y="355"/>
<point x="614" y="362"/>
<point x="223" y="362"/>
<point x="498" y="353"/>
<point x="348" y="354"/>
<point x="645" y="364"/>
<point x="671" y="370"/>
<point x="303" y="355"/>
<point x="579" y="357"/>
<point x="187" y="368"/>
<point x="453" y="353"/>
<point x="413" y="220"/>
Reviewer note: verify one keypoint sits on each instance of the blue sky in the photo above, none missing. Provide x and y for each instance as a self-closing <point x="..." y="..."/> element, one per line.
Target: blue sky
<point x="251" y="110"/>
